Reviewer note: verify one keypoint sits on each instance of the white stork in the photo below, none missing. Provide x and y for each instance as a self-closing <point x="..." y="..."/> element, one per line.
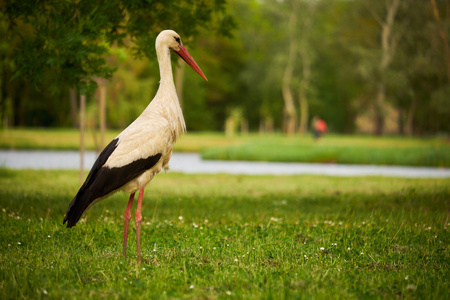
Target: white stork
<point x="142" y="150"/>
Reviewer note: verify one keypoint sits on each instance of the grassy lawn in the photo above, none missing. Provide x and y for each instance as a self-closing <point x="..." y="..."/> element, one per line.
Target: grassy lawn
<point x="331" y="149"/>
<point x="339" y="149"/>
<point x="69" y="139"/>
<point x="222" y="236"/>
<point x="50" y="139"/>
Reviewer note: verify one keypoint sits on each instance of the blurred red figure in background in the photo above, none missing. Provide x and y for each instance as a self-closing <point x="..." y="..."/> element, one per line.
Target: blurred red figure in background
<point x="320" y="127"/>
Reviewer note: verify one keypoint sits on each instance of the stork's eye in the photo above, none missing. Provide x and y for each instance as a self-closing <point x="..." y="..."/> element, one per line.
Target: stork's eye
<point x="177" y="39"/>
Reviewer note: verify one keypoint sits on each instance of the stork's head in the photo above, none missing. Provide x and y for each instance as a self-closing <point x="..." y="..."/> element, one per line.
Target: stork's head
<point x="172" y="40"/>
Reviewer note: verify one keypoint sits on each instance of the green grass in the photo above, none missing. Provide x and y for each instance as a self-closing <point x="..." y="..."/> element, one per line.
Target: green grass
<point x="69" y="139"/>
<point x="339" y="149"/>
<point x="248" y="236"/>
<point x="48" y="139"/>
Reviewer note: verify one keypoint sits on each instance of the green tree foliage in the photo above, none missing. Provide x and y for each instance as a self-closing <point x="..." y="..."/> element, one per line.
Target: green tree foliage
<point x="53" y="45"/>
<point x="419" y="84"/>
<point x="70" y="38"/>
<point x="130" y="88"/>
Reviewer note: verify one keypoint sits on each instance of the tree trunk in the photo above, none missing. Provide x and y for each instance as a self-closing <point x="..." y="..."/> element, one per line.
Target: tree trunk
<point x="289" y="111"/>
<point x="3" y="101"/>
<point x="102" y="110"/>
<point x="269" y="125"/>
<point x="304" y="113"/>
<point x="379" y="109"/>
<point x="388" y="44"/>
<point x="409" y="122"/>
<point x="304" y="84"/>
<point x="443" y="35"/>
<point x="244" y="126"/>
<point x="230" y="125"/>
<point x="266" y="125"/>
<point x="82" y="127"/>
<point x="73" y="107"/>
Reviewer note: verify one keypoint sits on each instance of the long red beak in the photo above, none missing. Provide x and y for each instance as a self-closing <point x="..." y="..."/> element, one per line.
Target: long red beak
<point x="184" y="54"/>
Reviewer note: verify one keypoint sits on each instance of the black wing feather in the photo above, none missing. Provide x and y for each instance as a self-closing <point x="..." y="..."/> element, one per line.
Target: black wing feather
<point x="103" y="180"/>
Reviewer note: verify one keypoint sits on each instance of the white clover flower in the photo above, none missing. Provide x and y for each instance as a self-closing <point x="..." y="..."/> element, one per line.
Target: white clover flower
<point x="236" y="260"/>
<point x="45" y="292"/>
<point x="228" y="293"/>
<point x="143" y="269"/>
<point x="191" y="287"/>
<point x="180" y="218"/>
<point x="322" y="248"/>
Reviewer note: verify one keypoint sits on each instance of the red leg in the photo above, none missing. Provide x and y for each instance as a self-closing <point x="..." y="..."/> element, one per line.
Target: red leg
<point x="127" y="219"/>
<point x="138" y="224"/>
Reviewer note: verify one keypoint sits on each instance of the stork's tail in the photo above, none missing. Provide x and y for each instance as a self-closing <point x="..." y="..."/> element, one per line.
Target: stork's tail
<point x="90" y="190"/>
<point x="76" y="209"/>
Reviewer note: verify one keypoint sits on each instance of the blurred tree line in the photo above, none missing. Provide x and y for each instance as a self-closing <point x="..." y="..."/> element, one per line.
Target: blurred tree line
<point x="379" y="66"/>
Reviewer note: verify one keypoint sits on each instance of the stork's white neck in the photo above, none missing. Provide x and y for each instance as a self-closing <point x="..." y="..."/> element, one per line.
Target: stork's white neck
<point x="165" y="65"/>
<point x="166" y="94"/>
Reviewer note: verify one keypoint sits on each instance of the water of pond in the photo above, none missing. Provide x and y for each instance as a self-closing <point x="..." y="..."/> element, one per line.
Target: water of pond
<point x="192" y="163"/>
